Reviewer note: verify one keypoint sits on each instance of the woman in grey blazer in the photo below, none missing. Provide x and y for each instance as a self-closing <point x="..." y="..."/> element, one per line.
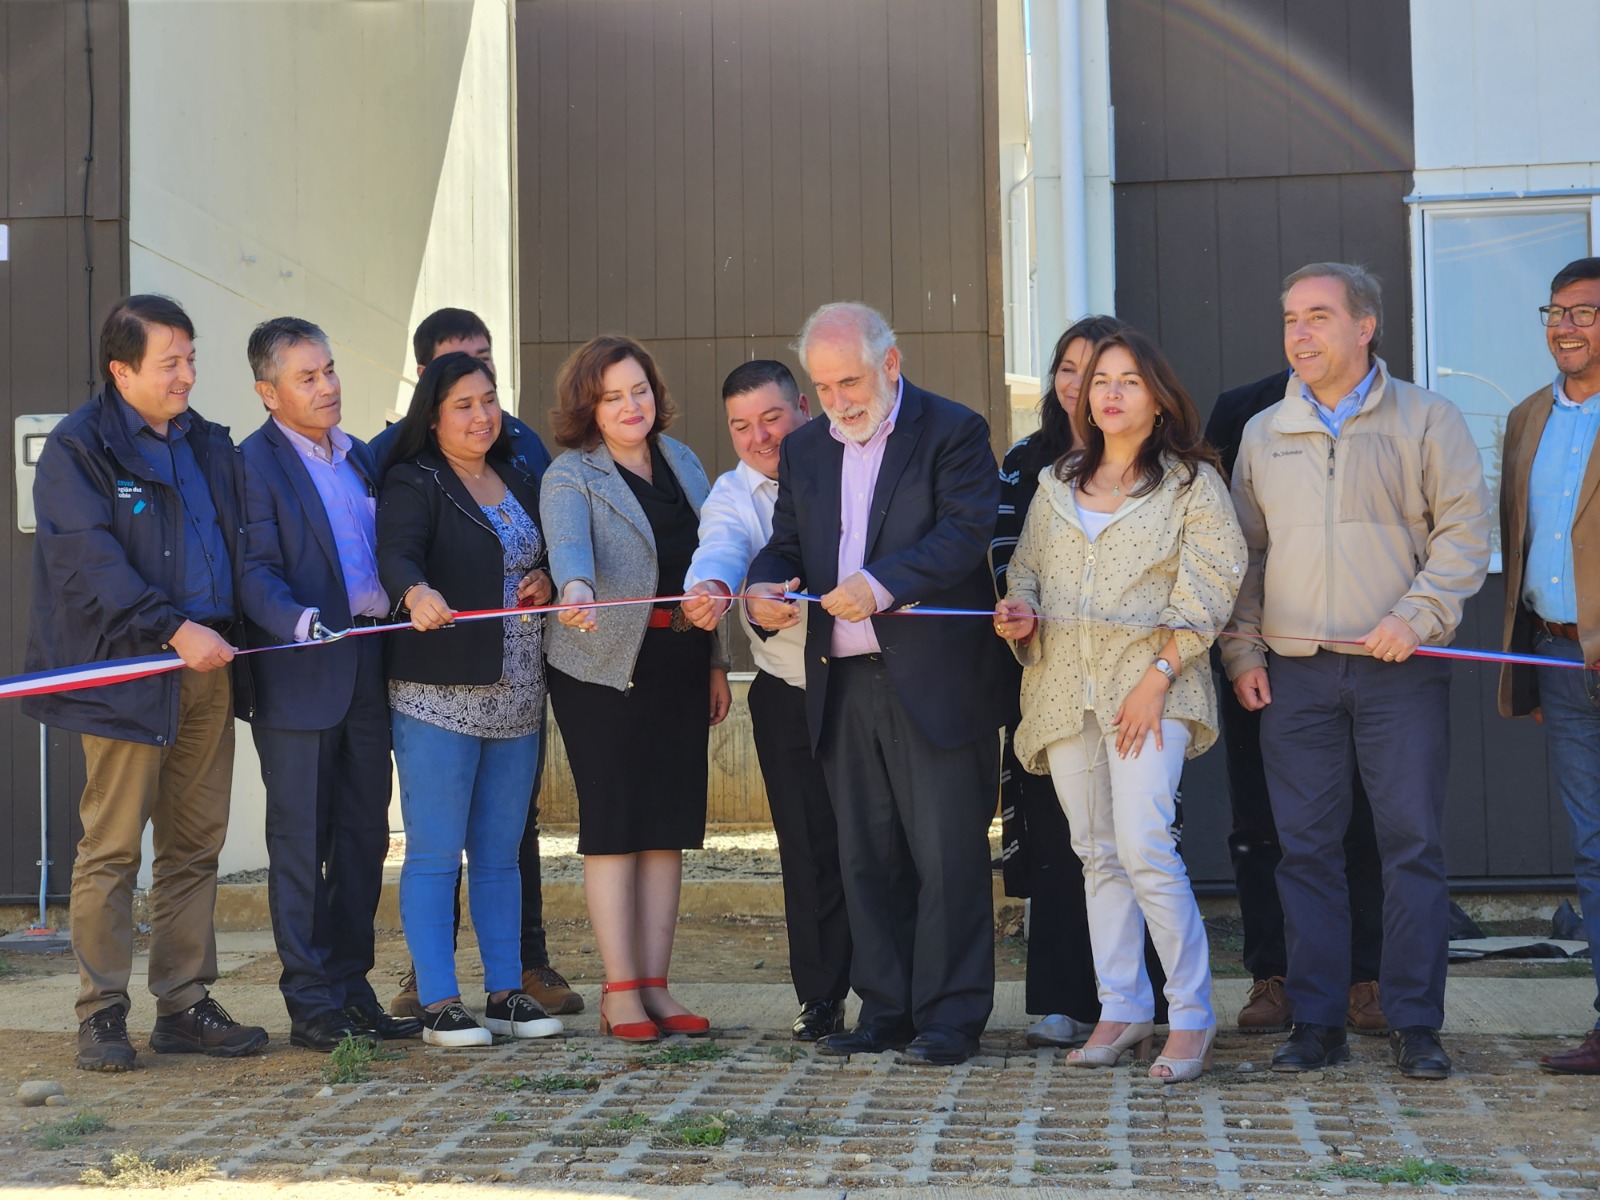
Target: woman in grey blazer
<point x="635" y="688"/>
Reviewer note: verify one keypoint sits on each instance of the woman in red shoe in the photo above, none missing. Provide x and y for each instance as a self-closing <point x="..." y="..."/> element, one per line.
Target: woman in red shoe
<point x="635" y="688"/>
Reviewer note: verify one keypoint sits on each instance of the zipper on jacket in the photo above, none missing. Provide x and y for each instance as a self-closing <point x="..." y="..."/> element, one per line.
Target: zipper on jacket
<point x="1327" y="540"/>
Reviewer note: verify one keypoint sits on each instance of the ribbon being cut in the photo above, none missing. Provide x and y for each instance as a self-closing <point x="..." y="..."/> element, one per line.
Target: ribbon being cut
<point x="104" y="674"/>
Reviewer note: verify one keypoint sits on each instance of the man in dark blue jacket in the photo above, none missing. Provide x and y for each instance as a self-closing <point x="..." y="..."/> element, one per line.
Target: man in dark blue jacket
<point x="319" y="716"/>
<point x="138" y="540"/>
<point x="888" y="504"/>
<point x="448" y="331"/>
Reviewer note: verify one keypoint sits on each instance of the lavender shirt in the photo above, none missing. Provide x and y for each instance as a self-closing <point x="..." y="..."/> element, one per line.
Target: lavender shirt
<point x="352" y="515"/>
<point x="857" y="479"/>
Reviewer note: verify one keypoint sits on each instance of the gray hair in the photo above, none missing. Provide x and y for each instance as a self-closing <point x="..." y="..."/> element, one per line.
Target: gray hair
<point x="868" y="324"/>
<point x="1363" y="294"/>
<point x="271" y="338"/>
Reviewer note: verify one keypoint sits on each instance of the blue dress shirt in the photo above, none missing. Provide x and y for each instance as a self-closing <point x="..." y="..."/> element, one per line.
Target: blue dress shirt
<point x="1553" y="484"/>
<point x="1333" y="419"/>
<point x="206" y="591"/>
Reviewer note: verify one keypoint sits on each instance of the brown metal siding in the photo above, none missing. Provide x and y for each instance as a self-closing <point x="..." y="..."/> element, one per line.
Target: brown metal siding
<point x="47" y="330"/>
<point x="1252" y="137"/>
<point x="701" y="174"/>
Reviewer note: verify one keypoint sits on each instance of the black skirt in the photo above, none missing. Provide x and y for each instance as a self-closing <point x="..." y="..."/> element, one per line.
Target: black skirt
<point x="639" y="757"/>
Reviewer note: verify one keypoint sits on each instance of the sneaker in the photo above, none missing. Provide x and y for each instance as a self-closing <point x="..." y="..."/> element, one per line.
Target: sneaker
<point x="206" y="1028"/>
<point x="103" y="1041"/>
<point x="519" y="1016"/>
<point x="453" y="1026"/>
<point x="406" y="1001"/>
<point x="554" y="994"/>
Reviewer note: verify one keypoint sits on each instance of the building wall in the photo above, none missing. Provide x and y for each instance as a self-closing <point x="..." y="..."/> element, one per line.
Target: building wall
<point x="703" y="174"/>
<point x="347" y="163"/>
<point x="1252" y="137"/>
<point x="48" y="328"/>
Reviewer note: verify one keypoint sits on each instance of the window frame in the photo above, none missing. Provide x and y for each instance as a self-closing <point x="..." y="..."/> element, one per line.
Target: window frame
<point x="1423" y="339"/>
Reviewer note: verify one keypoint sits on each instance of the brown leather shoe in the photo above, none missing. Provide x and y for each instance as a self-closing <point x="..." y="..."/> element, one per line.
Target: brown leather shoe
<point x="1268" y="1010"/>
<point x="554" y="994"/>
<point x="1585" y="1060"/>
<point x="406" y="1003"/>
<point x="1365" y="1014"/>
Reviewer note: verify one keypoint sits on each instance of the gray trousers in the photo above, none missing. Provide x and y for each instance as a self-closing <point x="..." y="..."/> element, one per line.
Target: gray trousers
<point x="1394" y="719"/>
<point x="914" y="853"/>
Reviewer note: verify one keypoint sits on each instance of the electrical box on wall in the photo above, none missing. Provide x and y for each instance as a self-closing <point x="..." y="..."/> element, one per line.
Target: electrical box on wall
<point x="31" y="432"/>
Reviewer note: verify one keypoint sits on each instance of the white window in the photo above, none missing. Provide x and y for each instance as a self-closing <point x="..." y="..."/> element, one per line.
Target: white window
<point x="1484" y="268"/>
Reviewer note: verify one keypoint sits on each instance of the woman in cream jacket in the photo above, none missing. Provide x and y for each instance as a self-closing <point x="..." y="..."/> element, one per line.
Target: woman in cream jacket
<point x="1132" y="555"/>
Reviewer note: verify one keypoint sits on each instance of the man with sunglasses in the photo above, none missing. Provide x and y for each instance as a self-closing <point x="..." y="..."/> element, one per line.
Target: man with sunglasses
<point x="1550" y="554"/>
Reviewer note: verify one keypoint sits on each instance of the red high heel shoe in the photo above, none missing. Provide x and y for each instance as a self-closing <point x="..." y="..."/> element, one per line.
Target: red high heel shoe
<point x="628" y="1031"/>
<point x="682" y="1023"/>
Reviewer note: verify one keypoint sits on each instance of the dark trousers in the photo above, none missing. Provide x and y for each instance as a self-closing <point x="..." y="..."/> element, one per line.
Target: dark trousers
<point x="914" y="849"/>
<point x="534" y="951"/>
<point x="808" y="841"/>
<point x="1253" y="846"/>
<point x="1060" y="973"/>
<point x="1391" y="721"/>
<point x="327" y="835"/>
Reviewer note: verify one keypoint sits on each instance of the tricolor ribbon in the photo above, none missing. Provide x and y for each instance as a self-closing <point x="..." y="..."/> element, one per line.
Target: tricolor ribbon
<point x="123" y="670"/>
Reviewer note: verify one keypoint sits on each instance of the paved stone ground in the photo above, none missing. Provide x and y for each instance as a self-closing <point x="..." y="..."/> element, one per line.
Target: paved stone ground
<point x="588" y="1111"/>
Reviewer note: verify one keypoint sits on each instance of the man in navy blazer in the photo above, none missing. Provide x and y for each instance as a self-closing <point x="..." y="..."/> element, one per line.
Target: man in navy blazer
<point x="319" y="715"/>
<point x="887" y="505"/>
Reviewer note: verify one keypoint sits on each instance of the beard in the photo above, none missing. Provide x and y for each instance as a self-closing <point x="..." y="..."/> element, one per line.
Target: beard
<point x="877" y="410"/>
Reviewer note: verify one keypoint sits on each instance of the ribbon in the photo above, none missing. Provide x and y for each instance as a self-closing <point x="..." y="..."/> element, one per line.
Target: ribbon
<point x="123" y="670"/>
<point x="1462" y="653"/>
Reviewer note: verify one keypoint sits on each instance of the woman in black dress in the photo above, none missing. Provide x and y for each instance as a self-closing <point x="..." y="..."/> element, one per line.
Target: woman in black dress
<point x="635" y="688"/>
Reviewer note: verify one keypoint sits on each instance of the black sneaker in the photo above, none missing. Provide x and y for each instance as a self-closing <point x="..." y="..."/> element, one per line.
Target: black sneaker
<point x="103" y="1041"/>
<point x="519" y="1016"/>
<point x="453" y="1026"/>
<point x="206" y="1028"/>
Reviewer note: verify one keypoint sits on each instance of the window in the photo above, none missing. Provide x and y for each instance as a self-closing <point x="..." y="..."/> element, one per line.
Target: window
<point x="1485" y="270"/>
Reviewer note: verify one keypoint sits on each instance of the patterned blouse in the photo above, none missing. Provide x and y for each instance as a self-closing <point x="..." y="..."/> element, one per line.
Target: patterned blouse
<point x="513" y="707"/>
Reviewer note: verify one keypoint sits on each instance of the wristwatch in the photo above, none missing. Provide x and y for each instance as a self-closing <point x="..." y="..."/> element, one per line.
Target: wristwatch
<point x="1165" y="668"/>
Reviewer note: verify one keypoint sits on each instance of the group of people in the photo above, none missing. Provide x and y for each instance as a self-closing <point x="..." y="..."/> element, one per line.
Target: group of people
<point x="1119" y="561"/>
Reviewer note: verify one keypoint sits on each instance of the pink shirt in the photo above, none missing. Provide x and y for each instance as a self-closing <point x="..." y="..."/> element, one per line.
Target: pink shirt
<point x="857" y="479"/>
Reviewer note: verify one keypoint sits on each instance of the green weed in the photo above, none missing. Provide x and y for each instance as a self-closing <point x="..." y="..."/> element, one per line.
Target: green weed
<point x="1410" y="1112"/>
<point x="632" y="1120"/>
<point x="690" y="1052"/>
<point x="73" y="1130"/>
<point x="351" y="1060"/>
<point x="1414" y="1171"/>
<point x="693" y="1129"/>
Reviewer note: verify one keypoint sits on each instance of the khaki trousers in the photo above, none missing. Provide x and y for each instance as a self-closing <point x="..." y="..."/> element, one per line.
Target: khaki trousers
<point x="183" y="790"/>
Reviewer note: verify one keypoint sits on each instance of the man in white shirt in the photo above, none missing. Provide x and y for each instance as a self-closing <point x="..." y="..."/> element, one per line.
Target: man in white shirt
<point x="764" y="405"/>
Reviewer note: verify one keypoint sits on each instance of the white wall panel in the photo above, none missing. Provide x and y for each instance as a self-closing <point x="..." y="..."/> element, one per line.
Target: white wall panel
<point x="351" y="164"/>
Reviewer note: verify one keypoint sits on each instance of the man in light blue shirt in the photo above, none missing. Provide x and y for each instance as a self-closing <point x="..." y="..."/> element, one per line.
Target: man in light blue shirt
<point x="1550" y="552"/>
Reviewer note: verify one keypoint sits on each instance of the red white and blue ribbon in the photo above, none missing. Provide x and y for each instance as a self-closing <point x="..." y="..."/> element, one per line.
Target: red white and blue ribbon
<point x="122" y="670"/>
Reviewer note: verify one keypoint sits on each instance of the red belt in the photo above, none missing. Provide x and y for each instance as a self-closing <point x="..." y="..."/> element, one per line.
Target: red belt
<point x="660" y="618"/>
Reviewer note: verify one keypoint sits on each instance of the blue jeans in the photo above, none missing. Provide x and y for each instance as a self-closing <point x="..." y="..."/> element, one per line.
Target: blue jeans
<point x="457" y="793"/>
<point x="1571" y="703"/>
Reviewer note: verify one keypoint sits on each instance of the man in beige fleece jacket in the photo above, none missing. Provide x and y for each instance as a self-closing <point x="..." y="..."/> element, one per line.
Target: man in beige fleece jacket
<point x="1361" y="497"/>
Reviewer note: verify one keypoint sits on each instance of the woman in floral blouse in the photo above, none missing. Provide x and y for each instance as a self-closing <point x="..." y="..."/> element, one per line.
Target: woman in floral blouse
<point x="457" y="530"/>
<point x="1132" y="555"/>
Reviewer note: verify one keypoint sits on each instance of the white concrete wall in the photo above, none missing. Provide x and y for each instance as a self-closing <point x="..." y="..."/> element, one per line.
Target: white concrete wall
<point x="1092" y="75"/>
<point x="349" y="163"/>
<point x="1498" y="88"/>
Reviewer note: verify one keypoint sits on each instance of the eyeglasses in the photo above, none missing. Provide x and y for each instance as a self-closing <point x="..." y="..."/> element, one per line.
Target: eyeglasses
<point x="1582" y="314"/>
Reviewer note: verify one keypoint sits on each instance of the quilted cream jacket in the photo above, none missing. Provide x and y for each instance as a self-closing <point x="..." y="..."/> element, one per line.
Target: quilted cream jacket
<point x="1172" y="559"/>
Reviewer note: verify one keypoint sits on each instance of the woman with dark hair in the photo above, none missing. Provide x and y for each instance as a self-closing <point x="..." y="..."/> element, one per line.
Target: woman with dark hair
<point x="457" y="530"/>
<point x="635" y="688"/>
<point x="1133" y="553"/>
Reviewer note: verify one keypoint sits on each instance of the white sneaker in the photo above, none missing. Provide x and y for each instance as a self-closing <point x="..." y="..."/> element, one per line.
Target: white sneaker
<point x="1058" y="1029"/>
<point x="453" y="1026"/>
<point x="520" y="1016"/>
